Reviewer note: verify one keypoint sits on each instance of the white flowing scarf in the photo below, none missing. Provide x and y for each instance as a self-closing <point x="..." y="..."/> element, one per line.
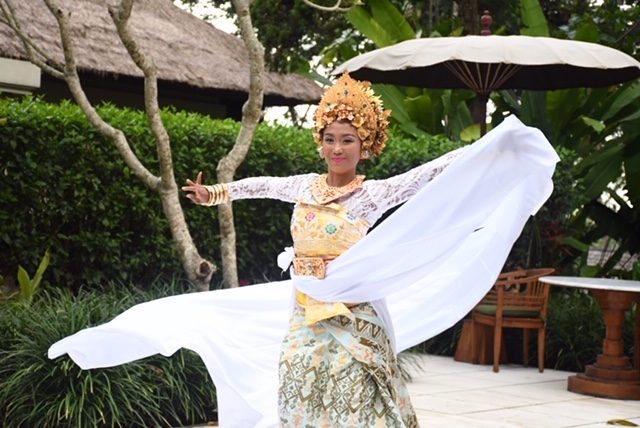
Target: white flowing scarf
<point x="424" y="268"/>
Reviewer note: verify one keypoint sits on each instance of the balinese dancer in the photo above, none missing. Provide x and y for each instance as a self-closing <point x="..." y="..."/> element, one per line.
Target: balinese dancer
<point x="355" y="299"/>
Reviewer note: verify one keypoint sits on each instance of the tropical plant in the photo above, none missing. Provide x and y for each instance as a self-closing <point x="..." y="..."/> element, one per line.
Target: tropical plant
<point x="416" y="111"/>
<point x="602" y="126"/>
<point x="29" y="285"/>
<point x="36" y="391"/>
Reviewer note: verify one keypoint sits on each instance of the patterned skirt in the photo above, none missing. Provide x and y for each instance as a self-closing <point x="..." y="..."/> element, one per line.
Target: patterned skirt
<point x="341" y="373"/>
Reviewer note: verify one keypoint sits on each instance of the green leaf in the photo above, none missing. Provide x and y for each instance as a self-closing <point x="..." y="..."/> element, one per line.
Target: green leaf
<point x="393" y="99"/>
<point x="633" y="116"/>
<point x="390" y="18"/>
<point x="621" y="98"/>
<point x="460" y="120"/>
<point x="25" y="284"/>
<point x="632" y="172"/>
<point x="421" y="111"/>
<point x="597" y="179"/>
<point x="534" y="110"/>
<point x="369" y="27"/>
<point x="573" y="242"/>
<point x="44" y="263"/>
<point x="589" y="271"/>
<point x="303" y="68"/>
<point x="506" y="96"/>
<point x="534" y="19"/>
<point x="588" y="33"/>
<point x="597" y="125"/>
<point x="412" y="129"/>
<point x="561" y="107"/>
<point x="599" y="157"/>
<point x="471" y="133"/>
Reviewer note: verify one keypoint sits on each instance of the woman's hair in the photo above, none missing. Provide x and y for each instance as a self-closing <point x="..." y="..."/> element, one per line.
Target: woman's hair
<point x="355" y="101"/>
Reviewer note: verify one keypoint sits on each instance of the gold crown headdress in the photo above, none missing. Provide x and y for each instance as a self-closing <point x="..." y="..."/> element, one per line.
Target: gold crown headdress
<point x="351" y="100"/>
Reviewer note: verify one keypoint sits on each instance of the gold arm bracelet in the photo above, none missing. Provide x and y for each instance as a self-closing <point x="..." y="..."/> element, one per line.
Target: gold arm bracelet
<point x="218" y="194"/>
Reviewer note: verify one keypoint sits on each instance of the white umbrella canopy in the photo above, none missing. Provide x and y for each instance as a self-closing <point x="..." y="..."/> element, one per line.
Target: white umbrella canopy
<point x="488" y="63"/>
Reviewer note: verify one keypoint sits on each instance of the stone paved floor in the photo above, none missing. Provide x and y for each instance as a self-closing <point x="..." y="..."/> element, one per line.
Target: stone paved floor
<point x="446" y="393"/>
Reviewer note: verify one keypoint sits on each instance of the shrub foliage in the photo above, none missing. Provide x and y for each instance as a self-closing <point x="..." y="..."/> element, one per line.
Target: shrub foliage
<point x="38" y="392"/>
<point x="65" y="188"/>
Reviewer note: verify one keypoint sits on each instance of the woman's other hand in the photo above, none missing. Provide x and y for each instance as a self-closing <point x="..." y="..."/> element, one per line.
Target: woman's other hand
<point x="196" y="191"/>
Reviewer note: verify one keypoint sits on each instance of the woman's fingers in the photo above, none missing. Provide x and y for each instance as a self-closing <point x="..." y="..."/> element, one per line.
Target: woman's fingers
<point x="198" y="195"/>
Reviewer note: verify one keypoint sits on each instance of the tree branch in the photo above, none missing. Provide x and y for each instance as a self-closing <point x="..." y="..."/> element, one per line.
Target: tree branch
<point x="335" y="8"/>
<point x="73" y="81"/>
<point x="49" y="65"/>
<point x="198" y="269"/>
<point x="251" y="115"/>
<point x="121" y="16"/>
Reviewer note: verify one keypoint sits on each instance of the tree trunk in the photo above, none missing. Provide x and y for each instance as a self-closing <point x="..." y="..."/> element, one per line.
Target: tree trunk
<point x="468" y="13"/>
<point x="251" y="115"/>
<point x="198" y="270"/>
<point x="434" y="15"/>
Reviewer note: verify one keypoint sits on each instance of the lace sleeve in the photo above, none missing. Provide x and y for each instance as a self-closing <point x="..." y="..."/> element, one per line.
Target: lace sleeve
<point x="282" y="188"/>
<point x="395" y="190"/>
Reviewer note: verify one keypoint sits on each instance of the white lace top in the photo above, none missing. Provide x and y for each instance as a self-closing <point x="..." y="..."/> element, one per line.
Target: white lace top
<point x="370" y="202"/>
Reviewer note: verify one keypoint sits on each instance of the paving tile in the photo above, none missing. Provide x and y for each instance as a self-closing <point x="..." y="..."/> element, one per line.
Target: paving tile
<point x="521" y="417"/>
<point x="448" y="421"/>
<point x="449" y="405"/>
<point x="452" y="394"/>
<point x="590" y="410"/>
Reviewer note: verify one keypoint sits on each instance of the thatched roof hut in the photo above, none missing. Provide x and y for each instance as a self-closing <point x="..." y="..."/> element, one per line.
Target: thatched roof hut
<point x="199" y="66"/>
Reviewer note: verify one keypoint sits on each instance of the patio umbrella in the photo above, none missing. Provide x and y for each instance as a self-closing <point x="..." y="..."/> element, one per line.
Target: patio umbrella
<point x="488" y="63"/>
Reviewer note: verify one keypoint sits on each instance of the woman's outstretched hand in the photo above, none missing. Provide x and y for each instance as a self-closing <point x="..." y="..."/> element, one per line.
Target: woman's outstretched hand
<point x="199" y="193"/>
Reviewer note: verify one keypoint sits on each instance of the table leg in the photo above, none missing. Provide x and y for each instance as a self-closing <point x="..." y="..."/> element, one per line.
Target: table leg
<point x="612" y="376"/>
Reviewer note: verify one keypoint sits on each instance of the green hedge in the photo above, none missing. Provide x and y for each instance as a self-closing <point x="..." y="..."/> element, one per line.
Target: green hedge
<point x="65" y="188"/>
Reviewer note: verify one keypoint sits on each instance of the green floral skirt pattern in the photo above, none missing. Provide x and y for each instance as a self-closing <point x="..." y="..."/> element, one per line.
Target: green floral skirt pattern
<point x="341" y="372"/>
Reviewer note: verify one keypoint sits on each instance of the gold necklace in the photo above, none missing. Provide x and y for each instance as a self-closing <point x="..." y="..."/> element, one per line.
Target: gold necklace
<point x="323" y="193"/>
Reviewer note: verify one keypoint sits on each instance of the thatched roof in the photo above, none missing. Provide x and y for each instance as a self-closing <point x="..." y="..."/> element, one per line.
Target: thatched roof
<point x="186" y="49"/>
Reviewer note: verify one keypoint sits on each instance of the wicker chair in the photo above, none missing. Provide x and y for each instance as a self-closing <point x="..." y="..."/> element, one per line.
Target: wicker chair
<point x="517" y="300"/>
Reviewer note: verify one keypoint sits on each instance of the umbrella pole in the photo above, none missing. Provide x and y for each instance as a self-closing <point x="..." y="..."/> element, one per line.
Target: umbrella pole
<point x="484" y="99"/>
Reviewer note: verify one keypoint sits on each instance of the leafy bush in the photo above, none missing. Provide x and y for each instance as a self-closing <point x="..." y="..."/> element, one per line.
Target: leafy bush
<point x="38" y="392"/>
<point x="541" y="242"/>
<point x="576" y="330"/>
<point x="66" y="188"/>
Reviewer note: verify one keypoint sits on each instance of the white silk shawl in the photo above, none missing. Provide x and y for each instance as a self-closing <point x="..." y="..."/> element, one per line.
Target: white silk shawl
<point x="424" y="268"/>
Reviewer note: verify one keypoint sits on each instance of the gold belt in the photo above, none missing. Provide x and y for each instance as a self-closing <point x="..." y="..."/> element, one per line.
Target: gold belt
<point x="311" y="266"/>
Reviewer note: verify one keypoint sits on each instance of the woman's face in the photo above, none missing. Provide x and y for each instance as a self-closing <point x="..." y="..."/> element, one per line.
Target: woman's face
<point x="341" y="147"/>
